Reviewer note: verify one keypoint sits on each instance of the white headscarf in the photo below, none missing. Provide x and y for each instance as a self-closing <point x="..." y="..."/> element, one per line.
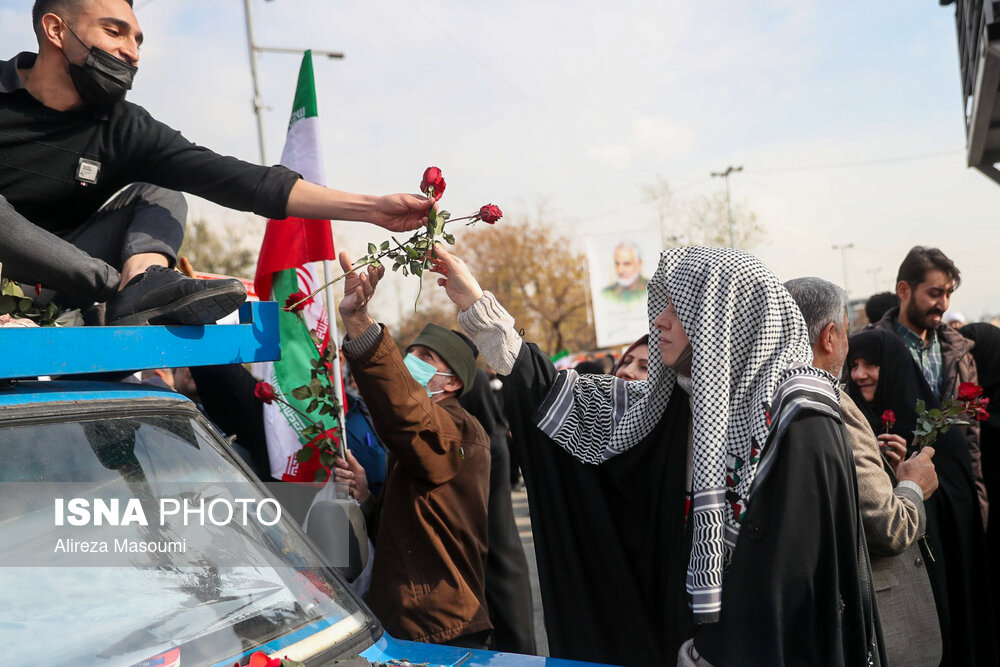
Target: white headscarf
<point x="747" y="335"/>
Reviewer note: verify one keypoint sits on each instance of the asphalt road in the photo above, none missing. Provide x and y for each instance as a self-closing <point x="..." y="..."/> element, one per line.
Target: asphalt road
<point x="520" y="501"/>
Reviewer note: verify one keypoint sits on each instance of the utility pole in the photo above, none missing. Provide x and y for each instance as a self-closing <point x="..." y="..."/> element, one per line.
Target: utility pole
<point x="254" y="49"/>
<point x="729" y="206"/>
<point x="843" y="248"/>
<point x="874" y="273"/>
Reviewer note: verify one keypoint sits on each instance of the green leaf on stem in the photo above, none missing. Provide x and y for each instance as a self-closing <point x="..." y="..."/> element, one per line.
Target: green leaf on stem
<point x="384" y="246"/>
<point x="301" y="393"/>
<point x="372" y="249"/>
<point x="321" y="476"/>
<point x="304" y="454"/>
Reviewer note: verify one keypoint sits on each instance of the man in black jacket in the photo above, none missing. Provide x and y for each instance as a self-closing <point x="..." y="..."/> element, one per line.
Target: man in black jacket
<point x="69" y="142"/>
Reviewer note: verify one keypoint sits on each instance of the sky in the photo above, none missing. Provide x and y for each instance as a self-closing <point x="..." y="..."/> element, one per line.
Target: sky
<point x="846" y="117"/>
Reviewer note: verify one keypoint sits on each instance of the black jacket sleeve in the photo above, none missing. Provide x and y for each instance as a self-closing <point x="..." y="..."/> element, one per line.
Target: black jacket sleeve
<point x="160" y="155"/>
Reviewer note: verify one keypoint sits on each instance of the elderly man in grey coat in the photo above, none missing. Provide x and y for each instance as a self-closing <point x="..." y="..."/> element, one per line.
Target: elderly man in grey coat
<point x="891" y="503"/>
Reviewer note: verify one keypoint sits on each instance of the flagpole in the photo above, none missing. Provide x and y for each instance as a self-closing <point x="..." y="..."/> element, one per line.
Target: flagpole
<point x="338" y="378"/>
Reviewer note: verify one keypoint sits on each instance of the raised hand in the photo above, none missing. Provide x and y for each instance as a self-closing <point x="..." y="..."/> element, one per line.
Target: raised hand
<point x="458" y="282"/>
<point x="359" y="287"/>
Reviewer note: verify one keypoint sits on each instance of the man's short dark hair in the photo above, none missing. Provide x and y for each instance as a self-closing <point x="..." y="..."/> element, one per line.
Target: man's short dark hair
<point x="62" y="7"/>
<point x="922" y="259"/>
<point x="879" y="304"/>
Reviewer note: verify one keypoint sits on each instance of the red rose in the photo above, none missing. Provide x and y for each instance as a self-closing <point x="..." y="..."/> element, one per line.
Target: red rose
<point x="293" y="299"/>
<point x="981" y="415"/>
<point x="260" y="659"/>
<point x="888" y="418"/>
<point x="984" y="403"/>
<point x="490" y="213"/>
<point x="264" y="392"/>
<point x="967" y="391"/>
<point x="433" y="183"/>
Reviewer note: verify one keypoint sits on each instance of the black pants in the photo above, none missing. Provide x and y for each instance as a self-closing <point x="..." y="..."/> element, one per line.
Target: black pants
<point x="82" y="265"/>
<point x="508" y="586"/>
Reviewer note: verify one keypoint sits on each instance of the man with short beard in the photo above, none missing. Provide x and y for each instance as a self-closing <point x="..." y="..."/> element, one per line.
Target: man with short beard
<point x="925" y="282"/>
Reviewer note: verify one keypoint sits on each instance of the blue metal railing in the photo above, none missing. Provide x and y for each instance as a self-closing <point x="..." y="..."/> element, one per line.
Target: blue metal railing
<point x="78" y="350"/>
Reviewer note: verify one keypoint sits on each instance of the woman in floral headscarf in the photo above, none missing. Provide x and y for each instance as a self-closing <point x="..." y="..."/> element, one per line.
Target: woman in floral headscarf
<point x="738" y="488"/>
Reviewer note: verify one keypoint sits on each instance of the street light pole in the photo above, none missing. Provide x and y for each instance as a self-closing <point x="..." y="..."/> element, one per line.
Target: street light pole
<point x="843" y="248"/>
<point x="258" y="104"/>
<point x="874" y="273"/>
<point x="729" y="207"/>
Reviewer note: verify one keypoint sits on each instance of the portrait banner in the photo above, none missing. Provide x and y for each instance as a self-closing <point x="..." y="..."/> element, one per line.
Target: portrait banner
<point x="620" y="265"/>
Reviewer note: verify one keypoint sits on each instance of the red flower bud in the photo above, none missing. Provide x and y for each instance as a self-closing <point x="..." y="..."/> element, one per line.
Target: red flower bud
<point x="38" y="289"/>
<point x="264" y="392"/>
<point x="433" y="183"/>
<point x="888" y="418"/>
<point x="293" y="299"/>
<point x="490" y="213"/>
<point x="260" y="659"/>
<point x="968" y="391"/>
<point x="981" y="415"/>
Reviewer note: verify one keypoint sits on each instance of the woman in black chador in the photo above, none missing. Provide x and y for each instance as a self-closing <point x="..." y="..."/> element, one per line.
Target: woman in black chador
<point x="714" y="501"/>
<point x="954" y="548"/>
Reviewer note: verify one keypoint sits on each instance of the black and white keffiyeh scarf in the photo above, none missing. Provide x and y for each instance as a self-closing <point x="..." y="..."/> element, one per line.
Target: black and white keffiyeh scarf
<point x="747" y="336"/>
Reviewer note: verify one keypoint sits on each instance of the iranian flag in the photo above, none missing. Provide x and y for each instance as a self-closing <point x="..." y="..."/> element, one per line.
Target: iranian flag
<point x="291" y="260"/>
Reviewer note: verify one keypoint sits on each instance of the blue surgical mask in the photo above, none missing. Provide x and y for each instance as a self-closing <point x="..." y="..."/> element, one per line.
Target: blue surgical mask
<point x="422" y="372"/>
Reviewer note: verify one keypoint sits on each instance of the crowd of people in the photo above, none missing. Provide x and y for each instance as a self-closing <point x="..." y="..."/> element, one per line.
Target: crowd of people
<point x="732" y="493"/>
<point x="747" y="484"/>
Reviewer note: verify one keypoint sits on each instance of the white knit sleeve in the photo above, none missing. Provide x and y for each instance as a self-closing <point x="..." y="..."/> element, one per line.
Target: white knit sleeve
<point x="491" y="328"/>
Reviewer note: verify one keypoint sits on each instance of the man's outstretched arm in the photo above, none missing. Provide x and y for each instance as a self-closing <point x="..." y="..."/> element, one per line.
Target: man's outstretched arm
<point x="397" y="213"/>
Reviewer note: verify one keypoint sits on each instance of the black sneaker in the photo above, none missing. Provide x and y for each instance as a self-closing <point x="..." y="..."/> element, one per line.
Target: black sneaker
<point x="164" y="296"/>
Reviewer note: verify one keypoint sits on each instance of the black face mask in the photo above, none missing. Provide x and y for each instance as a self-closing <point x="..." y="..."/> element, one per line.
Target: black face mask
<point x="102" y="80"/>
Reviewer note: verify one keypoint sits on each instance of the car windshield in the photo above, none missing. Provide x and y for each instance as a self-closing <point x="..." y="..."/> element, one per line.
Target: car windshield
<point x="235" y="587"/>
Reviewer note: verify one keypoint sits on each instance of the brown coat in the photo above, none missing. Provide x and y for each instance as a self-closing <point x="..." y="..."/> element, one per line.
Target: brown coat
<point x="959" y="366"/>
<point x="428" y="578"/>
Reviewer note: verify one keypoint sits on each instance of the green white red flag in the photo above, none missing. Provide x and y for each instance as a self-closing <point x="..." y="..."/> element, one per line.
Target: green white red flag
<point x="291" y="261"/>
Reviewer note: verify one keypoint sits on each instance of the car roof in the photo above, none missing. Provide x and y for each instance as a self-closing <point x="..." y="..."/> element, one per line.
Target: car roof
<point x="78" y="391"/>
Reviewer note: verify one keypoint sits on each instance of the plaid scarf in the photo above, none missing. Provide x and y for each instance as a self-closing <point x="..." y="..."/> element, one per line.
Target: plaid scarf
<point x="747" y="336"/>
